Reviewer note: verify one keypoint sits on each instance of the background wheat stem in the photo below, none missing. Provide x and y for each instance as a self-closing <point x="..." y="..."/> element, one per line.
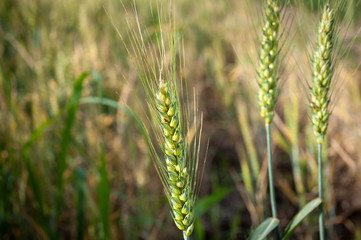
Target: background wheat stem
<point x="270" y="179"/>
<point x="323" y="69"/>
<point x="321" y="217"/>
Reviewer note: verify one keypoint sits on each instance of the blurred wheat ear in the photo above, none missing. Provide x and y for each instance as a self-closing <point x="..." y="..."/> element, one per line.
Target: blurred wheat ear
<point x="172" y="120"/>
<point x="322" y="75"/>
<point x="268" y="67"/>
<point x="268" y="88"/>
<point x="323" y="69"/>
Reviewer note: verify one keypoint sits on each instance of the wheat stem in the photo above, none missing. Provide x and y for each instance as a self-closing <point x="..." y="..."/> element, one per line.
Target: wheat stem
<point x="321" y="217"/>
<point x="270" y="179"/>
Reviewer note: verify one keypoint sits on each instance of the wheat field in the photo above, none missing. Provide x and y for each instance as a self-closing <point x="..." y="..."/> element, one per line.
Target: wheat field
<point x="74" y="159"/>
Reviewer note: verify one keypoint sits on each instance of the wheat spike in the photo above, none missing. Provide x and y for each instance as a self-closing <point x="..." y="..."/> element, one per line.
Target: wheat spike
<point x="180" y="190"/>
<point x="322" y="75"/>
<point x="268" y="61"/>
<point x="169" y="118"/>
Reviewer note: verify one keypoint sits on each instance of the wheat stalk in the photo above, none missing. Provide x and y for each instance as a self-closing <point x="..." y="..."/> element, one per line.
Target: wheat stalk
<point x="320" y="92"/>
<point x="268" y="89"/>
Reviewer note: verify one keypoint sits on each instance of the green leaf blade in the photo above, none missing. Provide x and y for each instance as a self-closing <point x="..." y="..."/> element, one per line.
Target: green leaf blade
<point x="104" y="197"/>
<point x="116" y="105"/>
<point x="264" y="229"/>
<point x="80" y="185"/>
<point x="301" y="215"/>
<point x="203" y="204"/>
<point x="72" y="108"/>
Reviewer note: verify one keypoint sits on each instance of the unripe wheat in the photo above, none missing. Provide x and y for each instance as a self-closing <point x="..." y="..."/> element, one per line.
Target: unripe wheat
<point x="180" y="190"/>
<point x="169" y="117"/>
<point x="268" y="61"/>
<point x="268" y="89"/>
<point x="322" y="75"/>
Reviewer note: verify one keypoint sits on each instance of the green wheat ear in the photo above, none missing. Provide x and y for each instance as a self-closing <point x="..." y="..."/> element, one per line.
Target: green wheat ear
<point x="322" y="74"/>
<point x="179" y="174"/>
<point x="180" y="194"/>
<point x="169" y="115"/>
<point x="268" y="89"/>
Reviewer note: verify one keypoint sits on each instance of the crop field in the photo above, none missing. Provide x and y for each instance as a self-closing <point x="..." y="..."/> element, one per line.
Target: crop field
<point x="180" y="119"/>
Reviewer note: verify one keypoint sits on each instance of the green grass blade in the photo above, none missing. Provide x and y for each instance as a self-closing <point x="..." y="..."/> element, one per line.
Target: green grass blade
<point x="199" y="229"/>
<point x="79" y="182"/>
<point x="117" y="105"/>
<point x="34" y="182"/>
<point x="247" y="137"/>
<point x="39" y="131"/>
<point x="246" y="175"/>
<point x="66" y="136"/>
<point x="104" y="196"/>
<point x="300" y="217"/>
<point x="34" y="179"/>
<point x="264" y="229"/>
<point x="205" y="203"/>
<point x="98" y="91"/>
<point x="6" y="87"/>
<point x="37" y="189"/>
